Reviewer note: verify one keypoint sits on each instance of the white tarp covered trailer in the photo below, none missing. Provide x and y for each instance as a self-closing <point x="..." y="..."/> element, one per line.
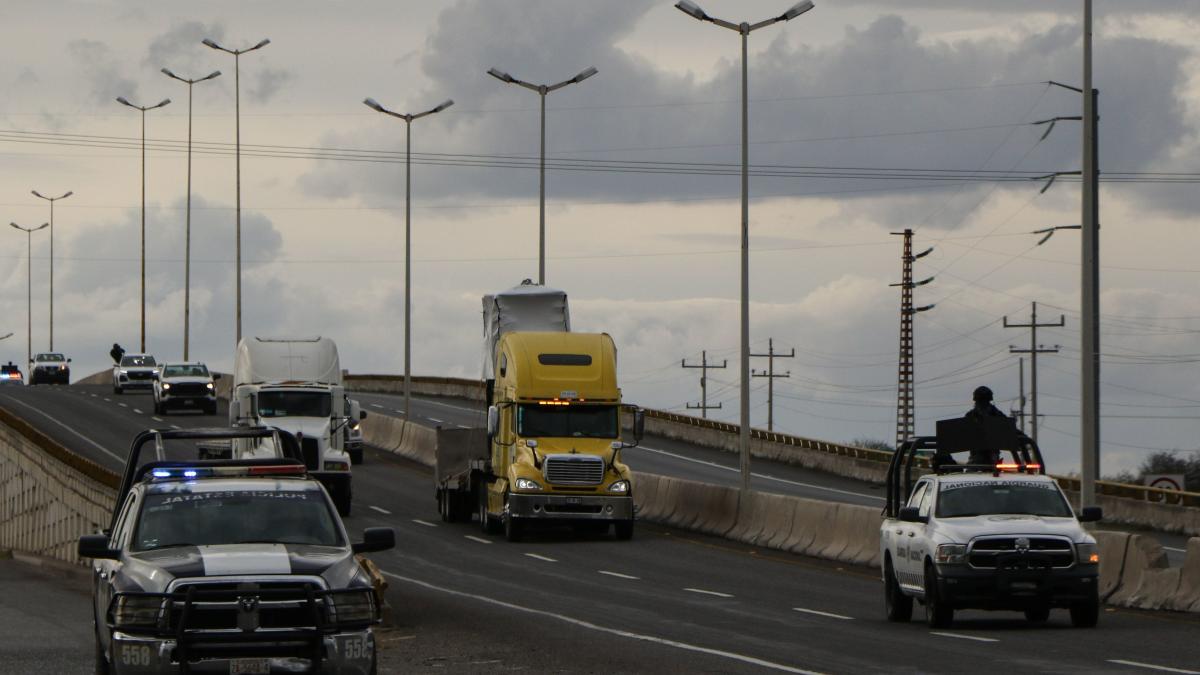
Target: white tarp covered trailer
<point x="275" y="360"/>
<point x="528" y="307"/>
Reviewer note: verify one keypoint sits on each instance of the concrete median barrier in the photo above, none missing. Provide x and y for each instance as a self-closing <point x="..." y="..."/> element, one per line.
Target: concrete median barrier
<point x="752" y="518"/>
<point x="778" y="525"/>
<point x="1187" y="597"/>
<point x="645" y="491"/>
<point x="1141" y="575"/>
<point x="802" y="532"/>
<point x="1113" y="546"/>
<point x="404" y="438"/>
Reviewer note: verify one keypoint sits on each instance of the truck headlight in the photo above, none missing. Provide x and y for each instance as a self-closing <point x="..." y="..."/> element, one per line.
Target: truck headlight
<point x="951" y="554"/>
<point x="210" y="385"/>
<point x="527" y="484"/>
<point x="352" y="607"/>
<point x="166" y="385"/>
<point x="621" y="486"/>
<point x="140" y="611"/>
<point x="1087" y="554"/>
<point x="337" y="466"/>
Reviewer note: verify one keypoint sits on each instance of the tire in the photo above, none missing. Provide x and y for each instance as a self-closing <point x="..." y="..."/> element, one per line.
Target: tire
<point x="117" y="390"/>
<point x="446" y="506"/>
<point x="356" y="456"/>
<point x="101" y="665"/>
<point x="210" y="409"/>
<point x="1037" y="614"/>
<point x="486" y="523"/>
<point x="513" y="527"/>
<point x="1086" y="614"/>
<point x="341" y="499"/>
<point x="896" y="604"/>
<point x="623" y="530"/>
<point x="938" y="613"/>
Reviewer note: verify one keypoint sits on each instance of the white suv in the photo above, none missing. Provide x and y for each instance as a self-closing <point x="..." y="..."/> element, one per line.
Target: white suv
<point x="185" y="385"/>
<point x="135" y="371"/>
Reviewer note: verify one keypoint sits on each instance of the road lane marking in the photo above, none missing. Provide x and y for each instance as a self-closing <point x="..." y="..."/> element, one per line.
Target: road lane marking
<point x="158" y="419"/>
<point x="1177" y="550"/>
<point x="138" y="411"/>
<point x="108" y="399"/>
<point x="99" y="447"/>
<point x="541" y="557"/>
<point x="434" y="419"/>
<point x="398" y="412"/>
<point x="481" y="540"/>
<point x="704" y="592"/>
<point x="734" y="469"/>
<point x="95" y="395"/>
<point x="463" y="426"/>
<point x="175" y="426"/>
<point x="619" y="575"/>
<point x="425" y="523"/>
<point x="1151" y="666"/>
<point x="383" y="511"/>
<point x="376" y="405"/>
<point x="733" y="656"/>
<point x="964" y="637"/>
<point x="819" y="613"/>
<point x="122" y="405"/>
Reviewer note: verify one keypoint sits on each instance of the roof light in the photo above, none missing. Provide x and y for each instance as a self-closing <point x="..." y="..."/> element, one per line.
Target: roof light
<point x="190" y="473"/>
<point x="162" y="474"/>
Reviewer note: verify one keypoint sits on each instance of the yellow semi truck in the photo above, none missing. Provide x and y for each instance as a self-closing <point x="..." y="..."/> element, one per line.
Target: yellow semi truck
<point x="553" y="447"/>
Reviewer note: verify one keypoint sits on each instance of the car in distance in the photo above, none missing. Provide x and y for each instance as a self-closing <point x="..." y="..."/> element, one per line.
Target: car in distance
<point x="135" y="371"/>
<point x="49" y="368"/>
<point x="10" y="373"/>
<point x="230" y="566"/>
<point x="187" y="386"/>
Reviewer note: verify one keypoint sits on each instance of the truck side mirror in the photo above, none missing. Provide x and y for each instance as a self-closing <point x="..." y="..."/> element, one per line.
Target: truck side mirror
<point x="96" y="546"/>
<point x="375" y="539"/>
<point x="912" y="514"/>
<point x="216" y="376"/>
<point x="1091" y="514"/>
<point x="493" y="421"/>
<point x="362" y="414"/>
<point x="639" y="424"/>
<point x="68" y="360"/>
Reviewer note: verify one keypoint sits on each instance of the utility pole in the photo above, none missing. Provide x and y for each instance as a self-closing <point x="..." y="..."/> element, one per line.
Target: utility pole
<point x="1090" y="283"/>
<point x="770" y="374"/>
<point x="1021" y="390"/>
<point x="704" y="366"/>
<point x="1033" y="351"/>
<point x="905" y="394"/>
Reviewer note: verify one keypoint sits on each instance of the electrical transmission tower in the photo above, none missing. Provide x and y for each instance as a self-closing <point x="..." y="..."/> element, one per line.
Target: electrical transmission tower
<point x="704" y="367"/>
<point x="770" y="374"/>
<point x="905" y="402"/>
<point x="1033" y="351"/>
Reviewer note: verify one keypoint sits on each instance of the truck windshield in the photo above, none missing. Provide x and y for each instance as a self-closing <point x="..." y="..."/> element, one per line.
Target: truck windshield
<point x="294" y="403"/>
<point x="137" y="361"/>
<point x="966" y="499"/>
<point x="569" y="421"/>
<point x="185" y="371"/>
<point x="235" y="516"/>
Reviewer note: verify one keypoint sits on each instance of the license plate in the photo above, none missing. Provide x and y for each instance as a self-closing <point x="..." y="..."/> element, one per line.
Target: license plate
<point x="1023" y="585"/>
<point x="188" y="401"/>
<point x="250" y="667"/>
<point x="574" y="500"/>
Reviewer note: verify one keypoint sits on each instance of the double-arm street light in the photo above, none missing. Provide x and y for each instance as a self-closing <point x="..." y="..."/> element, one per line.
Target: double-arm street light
<point x="744" y="29"/>
<point x="122" y="100"/>
<point x="542" y="90"/>
<point x="187" y="245"/>
<point x="29" y="287"/>
<point x="52" y="200"/>
<point x="237" y="115"/>
<point x="408" y="120"/>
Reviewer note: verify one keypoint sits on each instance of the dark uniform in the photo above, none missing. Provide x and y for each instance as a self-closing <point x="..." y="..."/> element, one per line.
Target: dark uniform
<point x="984" y="408"/>
<point x="116" y="353"/>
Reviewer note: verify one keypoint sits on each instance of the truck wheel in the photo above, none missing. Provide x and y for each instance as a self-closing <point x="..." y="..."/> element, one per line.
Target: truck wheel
<point x="1037" y="614"/>
<point x="117" y="390"/>
<point x="938" y="613"/>
<point x="486" y="523"/>
<point x="1086" y="614"/>
<point x="513" y="527"/>
<point x="101" y="667"/>
<point x="210" y="409"/>
<point x="341" y="499"/>
<point x="897" y="605"/>
<point x="446" y="506"/>
<point x="623" y="530"/>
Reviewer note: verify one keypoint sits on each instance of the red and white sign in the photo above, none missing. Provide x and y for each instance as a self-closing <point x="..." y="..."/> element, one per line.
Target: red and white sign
<point x="1164" y="481"/>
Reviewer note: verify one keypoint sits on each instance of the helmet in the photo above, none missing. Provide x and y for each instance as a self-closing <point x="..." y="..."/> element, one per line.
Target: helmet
<point x="982" y="394"/>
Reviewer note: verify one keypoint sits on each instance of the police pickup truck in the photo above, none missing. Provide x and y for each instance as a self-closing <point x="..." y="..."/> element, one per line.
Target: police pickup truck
<point x="995" y="536"/>
<point x="230" y="566"/>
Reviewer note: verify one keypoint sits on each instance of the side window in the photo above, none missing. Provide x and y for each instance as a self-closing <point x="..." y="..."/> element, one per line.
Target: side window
<point x="503" y="364"/>
<point x="120" y="534"/>
<point x="915" y="499"/>
<point x="927" y="500"/>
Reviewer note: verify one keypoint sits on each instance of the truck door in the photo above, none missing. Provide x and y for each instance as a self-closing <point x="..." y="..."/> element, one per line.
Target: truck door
<point x="105" y="571"/>
<point x="905" y="541"/>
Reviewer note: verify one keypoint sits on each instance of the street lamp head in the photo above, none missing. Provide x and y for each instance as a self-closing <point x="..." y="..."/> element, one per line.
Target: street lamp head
<point x="260" y="45"/>
<point x="40" y="227"/>
<point x="215" y="73"/>
<point x="585" y="74"/>
<point x="69" y="193"/>
<point x="123" y="101"/>
<point x="796" y="10"/>
<point x="500" y="75"/>
<point x="38" y="194"/>
<point x="160" y="104"/>
<point x="168" y="73"/>
<point x="16" y="226"/>
<point x="374" y="105"/>
<point x="443" y="105"/>
<point x="209" y="43"/>
<point x="691" y="9"/>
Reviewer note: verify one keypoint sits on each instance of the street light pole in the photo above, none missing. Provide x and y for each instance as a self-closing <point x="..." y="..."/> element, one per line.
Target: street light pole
<point x="744" y="29"/>
<point x="52" y="200"/>
<point x="237" y="107"/>
<point x="1090" y="282"/>
<point x="29" y="288"/>
<point x="187" y="255"/>
<point x="143" y="109"/>
<point x="542" y="90"/>
<point x="408" y="120"/>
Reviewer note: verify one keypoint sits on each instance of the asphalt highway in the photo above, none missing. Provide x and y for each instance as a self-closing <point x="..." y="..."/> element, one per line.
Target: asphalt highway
<point x="667" y="601"/>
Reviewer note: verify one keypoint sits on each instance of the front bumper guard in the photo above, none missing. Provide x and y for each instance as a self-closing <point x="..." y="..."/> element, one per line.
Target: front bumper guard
<point x="569" y="507"/>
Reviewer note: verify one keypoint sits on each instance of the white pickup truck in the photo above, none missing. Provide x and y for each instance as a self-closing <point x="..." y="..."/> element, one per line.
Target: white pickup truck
<point x="996" y="537"/>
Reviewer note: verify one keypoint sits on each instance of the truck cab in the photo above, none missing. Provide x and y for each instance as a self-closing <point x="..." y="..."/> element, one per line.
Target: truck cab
<point x="555" y="435"/>
<point x="999" y="536"/>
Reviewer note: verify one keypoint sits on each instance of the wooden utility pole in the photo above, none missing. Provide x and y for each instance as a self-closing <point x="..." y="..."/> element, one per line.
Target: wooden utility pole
<point x="770" y="374"/>
<point x="1033" y="351"/>
<point x="704" y="366"/>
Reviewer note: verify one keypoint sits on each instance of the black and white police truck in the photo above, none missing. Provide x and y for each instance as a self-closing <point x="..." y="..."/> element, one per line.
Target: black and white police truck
<point x="230" y="566"/>
<point x="999" y="535"/>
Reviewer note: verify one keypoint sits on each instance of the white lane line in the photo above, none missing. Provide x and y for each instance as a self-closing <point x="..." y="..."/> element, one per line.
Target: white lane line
<point x="99" y="447"/>
<point x="1177" y="550"/>
<point x="398" y="412"/>
<point x="619" y="575"/>
<point x="434" y="419"/>
<point x="138" y="411"/>
<point x="175" y="426"/>
<point x="733" y="656"/>
<point x="462" y="426"/>
<point x="157" y="419"/>
<point x="481" y="540"/>
<point x="819" y="613"/>
<point x="447" y="405"/>
<point x="383" y="511"/>
<point x="108" y="399"/>
<point x="964" y="637"/>
<point x="94" y="395"/>
<point x="1151" y="666"/>
<point x="541" y="557"/>
<point x="764" y="476"/>
<point x="426" y="523"/>
<point x="704" y="592"/>
<point x="376" y="405"/>
<point x="122" y="405"/>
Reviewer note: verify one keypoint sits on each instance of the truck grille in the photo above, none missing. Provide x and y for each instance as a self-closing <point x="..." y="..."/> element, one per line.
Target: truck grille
<point x="189" y="389"/>
<point x="140" y="374"/>
<point x="312" y="453"/>
<point x="573" y="470"/>
<point x="217" y="606"/>
<point x="1054" y="551"/>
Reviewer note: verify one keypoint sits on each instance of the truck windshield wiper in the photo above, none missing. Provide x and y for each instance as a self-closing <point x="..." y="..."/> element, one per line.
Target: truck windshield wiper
<point x="174" y="545"/>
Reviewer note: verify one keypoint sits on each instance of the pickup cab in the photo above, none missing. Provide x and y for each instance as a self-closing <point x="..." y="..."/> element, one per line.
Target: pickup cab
<point x="135" y="371"/>
<point x="1000" y="536"/>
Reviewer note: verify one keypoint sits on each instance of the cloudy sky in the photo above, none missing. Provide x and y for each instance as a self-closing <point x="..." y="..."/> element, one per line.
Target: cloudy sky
<point x="867" y="117"/>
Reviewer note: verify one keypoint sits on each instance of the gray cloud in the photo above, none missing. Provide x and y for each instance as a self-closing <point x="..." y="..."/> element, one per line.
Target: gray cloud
<point x="266" y="82"/>
<point x="180" y="50"/>
<point x="101" y="71"/>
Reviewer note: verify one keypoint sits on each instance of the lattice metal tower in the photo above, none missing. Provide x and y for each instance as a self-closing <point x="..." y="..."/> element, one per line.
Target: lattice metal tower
<point x="905" y="394"/>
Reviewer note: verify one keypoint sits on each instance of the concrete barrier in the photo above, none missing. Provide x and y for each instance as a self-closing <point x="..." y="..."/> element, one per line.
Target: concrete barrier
<point x="752" y="518"/>
<point x="1113" y="546"/>
<point x="801" y="533"/>
<point x="49" y="497"/>
<point x="1143" y="557"/>
<point x="404" y="438"/>
<point x="1187" y="596"/>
